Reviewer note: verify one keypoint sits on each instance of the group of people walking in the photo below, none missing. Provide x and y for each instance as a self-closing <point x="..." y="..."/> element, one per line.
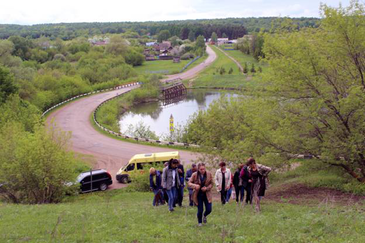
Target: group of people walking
<point x="168" y="186"/>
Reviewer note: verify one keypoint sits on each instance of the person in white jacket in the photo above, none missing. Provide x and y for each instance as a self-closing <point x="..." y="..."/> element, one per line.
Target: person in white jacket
<point x="223" y="181"/>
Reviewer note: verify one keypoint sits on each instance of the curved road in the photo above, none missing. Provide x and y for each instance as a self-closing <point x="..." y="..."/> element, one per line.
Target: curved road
<point x="197" y="69"/>
<point x="109" y="153"/>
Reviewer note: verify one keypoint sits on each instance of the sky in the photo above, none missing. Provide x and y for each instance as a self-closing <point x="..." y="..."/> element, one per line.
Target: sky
<point x="29" y="12"/>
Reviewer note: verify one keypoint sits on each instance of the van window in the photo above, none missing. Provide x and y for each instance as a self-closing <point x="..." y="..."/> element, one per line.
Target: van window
<point x="130" y="167"/>
<point x="139" y="166"/>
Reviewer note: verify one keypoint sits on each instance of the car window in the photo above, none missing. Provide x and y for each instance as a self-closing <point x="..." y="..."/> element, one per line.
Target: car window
<point x="139" y="166"/>
<point x="86" y="179"/>
<point x="130" y="167"/>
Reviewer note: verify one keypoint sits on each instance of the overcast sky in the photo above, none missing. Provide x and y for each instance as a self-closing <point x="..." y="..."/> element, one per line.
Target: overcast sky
<point x="50" y="11"/>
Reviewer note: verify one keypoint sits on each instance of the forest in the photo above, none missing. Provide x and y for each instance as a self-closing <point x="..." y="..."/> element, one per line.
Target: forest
<point x="230" y="27"/>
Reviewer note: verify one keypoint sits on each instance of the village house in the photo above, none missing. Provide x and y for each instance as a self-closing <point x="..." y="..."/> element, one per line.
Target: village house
<point x="222" y="41"/>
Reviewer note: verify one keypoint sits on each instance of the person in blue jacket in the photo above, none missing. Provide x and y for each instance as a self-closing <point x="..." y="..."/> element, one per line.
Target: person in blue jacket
<point x="156" y="187"/>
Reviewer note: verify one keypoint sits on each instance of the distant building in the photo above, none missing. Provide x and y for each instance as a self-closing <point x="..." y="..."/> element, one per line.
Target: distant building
<point x="222" y="41"/>
<point x="99" y="41"/>
<point x="150" y="44"/>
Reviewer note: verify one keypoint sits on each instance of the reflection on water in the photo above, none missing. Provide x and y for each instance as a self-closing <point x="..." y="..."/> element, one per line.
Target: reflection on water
<point x="157" y="116"/>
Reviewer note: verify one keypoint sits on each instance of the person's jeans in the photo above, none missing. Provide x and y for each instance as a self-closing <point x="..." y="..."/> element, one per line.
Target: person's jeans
<point x="180" y="195"/>
<point x="172" y="194"/>
<point x="203" y="200"/>
<point x="191" y="203"/>
<point x="229" y="193"/>
<point x="240" y="193"/>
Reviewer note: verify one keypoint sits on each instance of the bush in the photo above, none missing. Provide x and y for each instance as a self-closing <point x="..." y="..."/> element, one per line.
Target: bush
<point x="35" y="167"/>
<point x="187" y="56"/>
<point x="141" y="179"/>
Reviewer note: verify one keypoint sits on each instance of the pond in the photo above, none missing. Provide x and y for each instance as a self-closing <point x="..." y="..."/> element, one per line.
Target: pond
<point x="156" y="115"/>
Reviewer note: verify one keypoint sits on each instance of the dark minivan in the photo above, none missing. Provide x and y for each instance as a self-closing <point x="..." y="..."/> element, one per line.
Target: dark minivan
<point x="94" y="180"/>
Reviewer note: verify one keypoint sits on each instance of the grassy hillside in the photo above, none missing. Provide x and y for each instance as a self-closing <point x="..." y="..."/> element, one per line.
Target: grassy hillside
<point x="122" y="216"/>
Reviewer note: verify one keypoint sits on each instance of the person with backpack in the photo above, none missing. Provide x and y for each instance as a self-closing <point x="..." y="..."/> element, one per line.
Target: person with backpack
<point x="238" y="184"/>
<point x="171" y="182"/>
<point x="223" y="181"/>
<point x="202" y="183"/>
<point x="156" y="187"/>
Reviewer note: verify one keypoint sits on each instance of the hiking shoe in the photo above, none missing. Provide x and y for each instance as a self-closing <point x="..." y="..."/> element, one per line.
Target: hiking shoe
<point x="204" y="220"/>
<point x="200" y="225"/>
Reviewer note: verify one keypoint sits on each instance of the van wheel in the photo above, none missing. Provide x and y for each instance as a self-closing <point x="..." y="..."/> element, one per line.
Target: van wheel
<point x="103" y="187"/>
<point x="125" y="180"/>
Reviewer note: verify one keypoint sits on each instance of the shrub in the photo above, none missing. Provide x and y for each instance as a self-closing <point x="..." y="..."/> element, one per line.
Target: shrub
<point x="35" y="167"/>
<point x="187" y="56"/>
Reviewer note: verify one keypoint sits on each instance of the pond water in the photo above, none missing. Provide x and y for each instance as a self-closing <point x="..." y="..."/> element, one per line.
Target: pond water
<point x="156" y="115"/>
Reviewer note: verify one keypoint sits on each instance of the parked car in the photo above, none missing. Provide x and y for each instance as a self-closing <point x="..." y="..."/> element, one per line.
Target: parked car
<point x="139" y="160"/>
<point x="94" y="180"/>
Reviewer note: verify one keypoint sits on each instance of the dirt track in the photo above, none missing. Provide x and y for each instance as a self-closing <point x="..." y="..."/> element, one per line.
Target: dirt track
<point x="110" y="154"/>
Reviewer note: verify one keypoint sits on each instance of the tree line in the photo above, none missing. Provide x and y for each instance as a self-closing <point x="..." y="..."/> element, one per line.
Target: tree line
<point x="231" y="27"/>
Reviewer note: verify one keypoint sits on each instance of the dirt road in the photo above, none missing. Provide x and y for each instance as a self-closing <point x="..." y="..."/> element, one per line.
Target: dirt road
<point x="234" y="60"/>
<point x="110" y="154"/>
<point x="197" y="69"/>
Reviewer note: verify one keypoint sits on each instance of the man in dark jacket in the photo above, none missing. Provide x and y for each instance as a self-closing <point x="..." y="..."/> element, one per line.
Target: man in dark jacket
<point x="180" y="191"/>
<point x="189" y="173"/>
<point x="238" y="185"/>
<point x="246" y="183"/>
<point x="156" y="187"/>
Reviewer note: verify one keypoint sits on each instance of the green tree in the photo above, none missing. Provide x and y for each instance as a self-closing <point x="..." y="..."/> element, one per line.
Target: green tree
<point x="22" y="47"/>
<point x="224" y="35"/>
<point x="7" y="85"/>
<point x="163" y="35"/>
<point x="191" y="35"/>
<point x="35" y="167"/>
<point x="200" y="45"/>
<point x="214" y="37"/>
<point x="245" y="68"/>
<point x="117" y="46"/>
<point x="319" y="82"/>
<point x="253" y="70"/>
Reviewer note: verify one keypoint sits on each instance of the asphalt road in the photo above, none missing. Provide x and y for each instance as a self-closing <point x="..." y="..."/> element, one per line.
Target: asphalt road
<point x="191" y="73"/>
<point x="109" y="153"/>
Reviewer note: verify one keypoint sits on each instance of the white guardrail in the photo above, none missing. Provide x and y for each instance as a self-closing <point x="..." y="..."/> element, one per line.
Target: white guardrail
<point x="87" y="94"/>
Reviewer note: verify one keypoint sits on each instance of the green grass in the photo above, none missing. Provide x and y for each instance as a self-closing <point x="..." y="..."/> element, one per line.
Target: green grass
<point x="121" y="216"/>
<point x="210" y="77"/>
<point x="166" y="67"/>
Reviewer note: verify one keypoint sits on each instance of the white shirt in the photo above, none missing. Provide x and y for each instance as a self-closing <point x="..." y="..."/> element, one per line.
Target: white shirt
<point x="173" y="177"/>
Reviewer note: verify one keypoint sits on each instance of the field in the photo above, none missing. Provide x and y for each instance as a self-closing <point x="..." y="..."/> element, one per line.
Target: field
<point x="211" y="78"/>
<point x="292" y="211"/>
<point x="165" y="67"/>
